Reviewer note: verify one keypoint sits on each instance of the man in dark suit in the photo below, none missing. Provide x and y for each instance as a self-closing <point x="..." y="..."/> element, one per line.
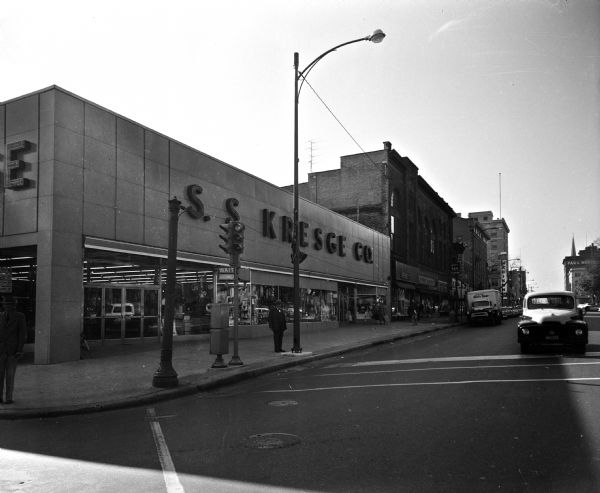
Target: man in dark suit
<point x="277" y="325"/>
<point x="13" y="334"/>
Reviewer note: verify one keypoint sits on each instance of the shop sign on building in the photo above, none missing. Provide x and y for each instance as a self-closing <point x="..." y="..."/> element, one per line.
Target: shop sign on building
<point x="427" y="281"/>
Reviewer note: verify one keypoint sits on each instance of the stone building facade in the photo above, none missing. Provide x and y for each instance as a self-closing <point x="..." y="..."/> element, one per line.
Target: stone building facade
<point x="497" y="252"/>
<point x="84" y="226"/>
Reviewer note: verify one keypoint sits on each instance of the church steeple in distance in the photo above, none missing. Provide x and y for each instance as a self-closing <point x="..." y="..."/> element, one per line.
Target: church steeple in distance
<point x="573" y="251"/>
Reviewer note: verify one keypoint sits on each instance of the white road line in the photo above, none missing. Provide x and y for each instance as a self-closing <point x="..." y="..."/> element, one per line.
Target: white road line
<point x="169" y="474"/>
<point x="451" y="358"/>
<point x="437" y="368"/>
<point x="416" y="384"/>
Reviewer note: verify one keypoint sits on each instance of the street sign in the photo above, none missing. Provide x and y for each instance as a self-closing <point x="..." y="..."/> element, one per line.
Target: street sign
<point x="226" y="273"/>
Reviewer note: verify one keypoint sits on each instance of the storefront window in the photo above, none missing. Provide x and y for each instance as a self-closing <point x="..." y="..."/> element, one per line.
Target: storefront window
<point x="315" y="305"/>
<point x="125" y="297"/>
<point x="18" y="269"/>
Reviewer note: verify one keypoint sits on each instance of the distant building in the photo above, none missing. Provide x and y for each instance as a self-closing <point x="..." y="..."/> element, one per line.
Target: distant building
<point x="582" y="272"/>
<point x="471" y="262"/>
<point x="497" y="251"/>
<point x="517" y="285"/>
<point x="384" y="191"/>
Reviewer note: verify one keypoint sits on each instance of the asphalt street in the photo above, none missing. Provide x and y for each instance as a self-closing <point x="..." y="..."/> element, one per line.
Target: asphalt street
<point x="459" y="410"/>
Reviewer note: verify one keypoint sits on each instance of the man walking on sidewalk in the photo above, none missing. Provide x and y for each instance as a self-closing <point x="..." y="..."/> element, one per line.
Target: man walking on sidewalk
<point x="13" y="334"/>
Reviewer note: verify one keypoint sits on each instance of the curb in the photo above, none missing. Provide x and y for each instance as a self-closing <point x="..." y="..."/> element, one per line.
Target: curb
<point x="215" y="380"/>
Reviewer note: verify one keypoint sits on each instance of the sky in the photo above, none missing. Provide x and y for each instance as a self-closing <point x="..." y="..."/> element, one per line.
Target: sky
<point x="496" y="103"/>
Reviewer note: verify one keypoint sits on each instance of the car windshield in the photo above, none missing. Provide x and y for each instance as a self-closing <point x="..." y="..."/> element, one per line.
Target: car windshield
<point x="481" y="303"/>
<point x="557" y="301"/>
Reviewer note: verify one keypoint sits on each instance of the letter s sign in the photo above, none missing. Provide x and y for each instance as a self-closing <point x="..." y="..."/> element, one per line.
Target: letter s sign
<point x="196" y="209"/>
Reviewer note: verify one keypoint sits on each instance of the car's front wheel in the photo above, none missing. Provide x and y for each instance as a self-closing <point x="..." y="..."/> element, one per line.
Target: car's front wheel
<point x="524" y="348"/>
<point x="579" y="348"/>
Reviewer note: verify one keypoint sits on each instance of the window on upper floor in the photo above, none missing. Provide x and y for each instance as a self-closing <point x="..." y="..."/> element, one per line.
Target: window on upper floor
<point x="394" y="199"/>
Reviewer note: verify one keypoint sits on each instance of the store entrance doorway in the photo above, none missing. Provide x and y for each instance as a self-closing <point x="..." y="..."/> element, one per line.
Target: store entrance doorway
<point x="118" y="312"/>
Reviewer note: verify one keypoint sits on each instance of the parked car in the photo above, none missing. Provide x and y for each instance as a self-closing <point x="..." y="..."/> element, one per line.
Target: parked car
<point x="118" y="310"/>
<point x="552" y="318"/>
<point x="586" y="307"/>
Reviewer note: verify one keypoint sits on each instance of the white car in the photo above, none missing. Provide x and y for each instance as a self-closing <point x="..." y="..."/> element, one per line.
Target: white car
<point x="117" y="310"/>
<point x="551" y="318"/>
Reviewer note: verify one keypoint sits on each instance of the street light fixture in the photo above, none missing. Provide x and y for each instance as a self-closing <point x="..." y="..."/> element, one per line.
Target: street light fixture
<point x="376" y="37"/>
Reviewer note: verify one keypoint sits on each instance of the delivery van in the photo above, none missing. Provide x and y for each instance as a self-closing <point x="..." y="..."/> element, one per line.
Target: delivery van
<point x="484" y="306"/>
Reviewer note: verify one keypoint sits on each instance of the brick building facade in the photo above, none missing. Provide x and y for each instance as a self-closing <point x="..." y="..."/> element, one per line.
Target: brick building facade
<point x="383" y="190"/>
<point x="471" y="261"/>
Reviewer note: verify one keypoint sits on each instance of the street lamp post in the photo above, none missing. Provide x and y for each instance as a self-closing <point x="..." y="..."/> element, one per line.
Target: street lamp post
<point x="376" y="37"/>
<point x="166" y="376"/>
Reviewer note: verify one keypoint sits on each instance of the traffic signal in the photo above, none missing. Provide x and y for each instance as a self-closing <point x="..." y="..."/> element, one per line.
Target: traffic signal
<point x="227" y="238"/>
<point x="237" y="237"/>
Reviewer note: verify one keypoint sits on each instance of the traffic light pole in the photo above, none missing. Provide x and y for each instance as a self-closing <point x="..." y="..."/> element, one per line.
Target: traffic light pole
<point x="235" y="360"/>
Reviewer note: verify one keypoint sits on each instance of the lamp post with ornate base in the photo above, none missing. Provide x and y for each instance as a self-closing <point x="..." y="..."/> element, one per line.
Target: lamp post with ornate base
<point x="166" y="376"/>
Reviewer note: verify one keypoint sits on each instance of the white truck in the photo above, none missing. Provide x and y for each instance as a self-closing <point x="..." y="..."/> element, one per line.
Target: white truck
<point x="483" y="306"/>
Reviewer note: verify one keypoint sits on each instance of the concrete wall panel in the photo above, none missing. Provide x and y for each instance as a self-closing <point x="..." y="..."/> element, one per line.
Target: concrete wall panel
<point x="100" y="125"/>
<point x="69" y="112"/>
<point x="156" y="176"/>
<point x="21" y="116"/>
<point x="130" y="227"/>
<point x="98" y="221"/>
<point x="100" y="157"/>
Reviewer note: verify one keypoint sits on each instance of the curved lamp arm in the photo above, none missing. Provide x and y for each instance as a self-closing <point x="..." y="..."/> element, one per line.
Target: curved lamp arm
<point x="376" y="37"/>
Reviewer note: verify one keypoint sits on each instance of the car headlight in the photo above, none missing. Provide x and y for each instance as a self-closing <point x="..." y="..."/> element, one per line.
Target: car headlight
<point x="578" y="332"/>
<point x="525" y="331"/>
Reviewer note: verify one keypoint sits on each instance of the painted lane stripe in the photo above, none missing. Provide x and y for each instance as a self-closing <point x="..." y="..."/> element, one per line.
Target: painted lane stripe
<point x="169" y="474"/>
<point x="415" y="384"/>
<point x="450" y="358"/>
<point x="437" y="368"/>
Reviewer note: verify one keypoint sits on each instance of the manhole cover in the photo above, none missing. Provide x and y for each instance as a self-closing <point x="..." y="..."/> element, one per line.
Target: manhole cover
<point x="272" y="440"/>
<point x="283" y="403"/>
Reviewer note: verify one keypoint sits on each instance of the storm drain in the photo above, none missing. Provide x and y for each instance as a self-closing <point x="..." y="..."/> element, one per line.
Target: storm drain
<point x="283" y="403"/>
<point x="272" y="440"/>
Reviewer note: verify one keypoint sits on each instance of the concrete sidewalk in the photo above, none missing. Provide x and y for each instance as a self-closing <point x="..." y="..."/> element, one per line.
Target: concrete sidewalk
<point x="117" y="376"/>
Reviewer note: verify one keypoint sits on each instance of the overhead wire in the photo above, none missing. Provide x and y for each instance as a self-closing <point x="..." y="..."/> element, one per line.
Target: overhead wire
<point x="338" y="120"/>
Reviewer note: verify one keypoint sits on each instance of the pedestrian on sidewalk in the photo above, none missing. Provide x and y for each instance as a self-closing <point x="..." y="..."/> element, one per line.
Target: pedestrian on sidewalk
<point x="277" y="325"/>
<point x="13" y="334"/>
<point x="412" y="312"/>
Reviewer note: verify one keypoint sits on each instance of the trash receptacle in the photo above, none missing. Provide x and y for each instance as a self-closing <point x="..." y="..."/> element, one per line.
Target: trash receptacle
<point x="219" y="341"/>
<point x="219" y="316"/>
